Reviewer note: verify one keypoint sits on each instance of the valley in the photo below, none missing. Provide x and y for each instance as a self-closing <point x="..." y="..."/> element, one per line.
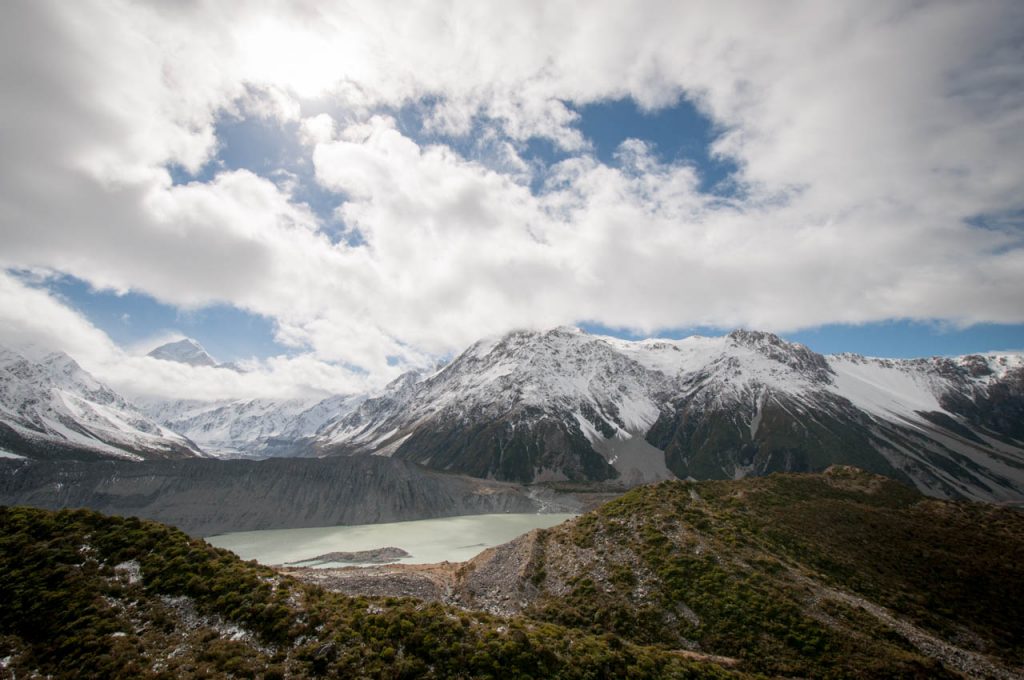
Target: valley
<point x="842" y="574"/>
<point x="789" y="574"/>
<point x="206" y="497"/>
<point x="522" y="411"/>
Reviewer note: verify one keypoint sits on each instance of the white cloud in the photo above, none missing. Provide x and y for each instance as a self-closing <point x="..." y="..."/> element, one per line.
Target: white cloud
<point x="317" y="129"/>
<point x="31" y="319"/>
<point x="865" y="134"/>
<point x="35" y="322"/>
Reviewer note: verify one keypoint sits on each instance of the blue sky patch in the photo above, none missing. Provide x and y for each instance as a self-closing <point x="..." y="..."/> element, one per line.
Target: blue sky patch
<point x="273" y="151"/>
<point x="232" y="334"/>
<point x="677" y="134"/>
<point x="227" y="333"/>
<point x="891" y="339"/>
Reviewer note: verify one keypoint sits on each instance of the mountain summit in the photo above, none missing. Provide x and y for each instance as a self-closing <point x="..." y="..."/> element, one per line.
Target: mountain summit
<point x="53" y="408"/>
<point x="184" y="351"/>
<point x="566" y="405"/>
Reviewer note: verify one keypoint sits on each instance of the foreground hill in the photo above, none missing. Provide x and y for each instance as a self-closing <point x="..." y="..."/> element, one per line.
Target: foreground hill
<point x="90" y="596"/>
<point x="841" y="574"/>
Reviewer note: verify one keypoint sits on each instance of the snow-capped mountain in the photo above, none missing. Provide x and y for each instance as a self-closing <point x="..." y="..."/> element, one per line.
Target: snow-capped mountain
<point x="240" y="428"/>
<point x="185" y="351"/>
<point x="249" y="428"/>
<point x="563" y="404"/>
<point x="52" y="408"/>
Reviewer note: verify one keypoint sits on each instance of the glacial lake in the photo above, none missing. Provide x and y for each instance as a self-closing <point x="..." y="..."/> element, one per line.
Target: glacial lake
<point x="454" y="539"/>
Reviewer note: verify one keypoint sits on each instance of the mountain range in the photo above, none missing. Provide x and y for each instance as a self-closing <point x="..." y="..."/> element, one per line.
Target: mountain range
<point x="563" y="405"/>
<point x="53" y="409"/>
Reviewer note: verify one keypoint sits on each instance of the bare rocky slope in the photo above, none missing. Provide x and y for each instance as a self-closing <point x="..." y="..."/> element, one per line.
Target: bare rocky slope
<point x="206" y="497"/>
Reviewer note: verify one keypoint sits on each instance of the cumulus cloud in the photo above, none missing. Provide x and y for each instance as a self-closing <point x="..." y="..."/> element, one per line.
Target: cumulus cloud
<point x="870" y="139"/>
<point x="35" y="322"/>
<point x="317" y="129"/>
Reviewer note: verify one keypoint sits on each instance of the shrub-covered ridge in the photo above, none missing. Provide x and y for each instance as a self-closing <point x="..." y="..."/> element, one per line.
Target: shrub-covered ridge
<point x="86" y="595"/>
<point x="841" y="574"/>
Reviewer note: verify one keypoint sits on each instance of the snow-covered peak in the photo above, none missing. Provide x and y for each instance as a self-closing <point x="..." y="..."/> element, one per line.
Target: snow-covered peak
<point x="8" y="357"/>
<point x="798" y="357"/>
<point x="248" y="427"/>
<point x="540" y="368"/>
<point x="905" y="387"/>
<point x="184" y="351"/>
<point x="565" y="364"/>
<point x="55" y="405"/>
<point x="402" y="382"/>
<point x="65" y="369"/>
<point x="607" y="383"/>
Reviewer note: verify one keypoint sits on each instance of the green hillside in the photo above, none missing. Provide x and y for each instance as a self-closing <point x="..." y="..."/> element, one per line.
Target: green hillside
<point x="90" y="596"/>
<point x="843" y="574"/>
<point x="838" y="575"/>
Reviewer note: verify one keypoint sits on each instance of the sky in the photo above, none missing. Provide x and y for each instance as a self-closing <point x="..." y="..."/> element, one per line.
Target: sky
<point x="333" y="193"/>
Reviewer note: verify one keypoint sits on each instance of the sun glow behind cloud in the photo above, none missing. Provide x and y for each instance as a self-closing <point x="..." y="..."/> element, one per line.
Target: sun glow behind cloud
<point x="384" y="185"/>
<point x="297" y="59"/>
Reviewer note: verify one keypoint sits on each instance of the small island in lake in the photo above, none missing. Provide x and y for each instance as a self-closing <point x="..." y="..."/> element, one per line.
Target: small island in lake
<point x="373" y="556"/>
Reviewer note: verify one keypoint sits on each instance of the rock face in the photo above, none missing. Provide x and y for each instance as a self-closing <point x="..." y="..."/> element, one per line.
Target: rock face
<point x="206" y="497"/>
<point x="53" y="409"/>
<point x="565" y="405"/>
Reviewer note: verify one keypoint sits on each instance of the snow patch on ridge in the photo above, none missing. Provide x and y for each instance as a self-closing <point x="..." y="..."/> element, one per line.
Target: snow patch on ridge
<point x="883" y="390"/>
<point x="755" y="422"/>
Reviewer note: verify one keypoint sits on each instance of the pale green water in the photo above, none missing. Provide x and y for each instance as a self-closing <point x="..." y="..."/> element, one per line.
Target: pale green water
<point x="454" y="539"/>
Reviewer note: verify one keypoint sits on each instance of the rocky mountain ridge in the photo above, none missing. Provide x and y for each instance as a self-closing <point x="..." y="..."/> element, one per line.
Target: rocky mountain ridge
<point x="52" y="408"/>
<point x="562" y="404"/>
